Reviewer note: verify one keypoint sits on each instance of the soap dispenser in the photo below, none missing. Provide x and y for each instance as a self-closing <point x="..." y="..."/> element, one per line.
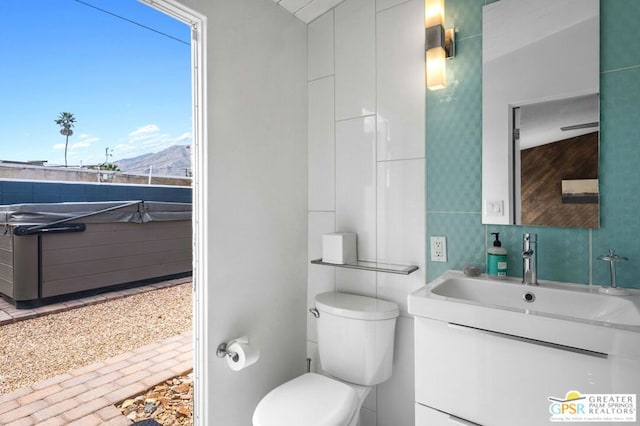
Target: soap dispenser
<point x="497" y="259"/>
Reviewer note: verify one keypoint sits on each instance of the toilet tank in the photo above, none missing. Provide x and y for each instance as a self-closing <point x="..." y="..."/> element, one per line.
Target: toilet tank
<point x="356" y="337"/>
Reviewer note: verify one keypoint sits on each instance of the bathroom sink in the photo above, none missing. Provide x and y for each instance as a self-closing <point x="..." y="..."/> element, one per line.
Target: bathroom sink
<point x="569" y="314"/>
<point x="551" y="299"/>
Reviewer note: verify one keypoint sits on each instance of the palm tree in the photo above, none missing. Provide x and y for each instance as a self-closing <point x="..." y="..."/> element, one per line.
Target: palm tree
<point x="65" y="120"/>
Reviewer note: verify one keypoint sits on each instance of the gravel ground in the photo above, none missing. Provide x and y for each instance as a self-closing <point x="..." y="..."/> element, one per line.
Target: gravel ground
<point x="169" y="403"/>
<point x="44" y="347"/>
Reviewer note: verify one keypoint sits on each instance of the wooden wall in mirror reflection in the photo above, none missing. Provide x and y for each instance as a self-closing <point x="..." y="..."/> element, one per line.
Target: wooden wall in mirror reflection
<point x="543" y="170"/>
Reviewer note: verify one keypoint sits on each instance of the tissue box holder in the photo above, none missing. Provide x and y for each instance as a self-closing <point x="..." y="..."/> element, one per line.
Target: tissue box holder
<point x="339" y="248"/>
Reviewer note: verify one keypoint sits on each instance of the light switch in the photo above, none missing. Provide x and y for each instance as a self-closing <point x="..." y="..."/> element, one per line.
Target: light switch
<point x="494" y="208"/>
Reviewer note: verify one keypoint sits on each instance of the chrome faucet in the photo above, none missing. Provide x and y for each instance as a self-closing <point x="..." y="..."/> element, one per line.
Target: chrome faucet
<point x="529" y="259"/>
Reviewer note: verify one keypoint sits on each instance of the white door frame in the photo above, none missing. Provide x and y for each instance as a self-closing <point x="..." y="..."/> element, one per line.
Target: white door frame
<point x="198" y="24"/>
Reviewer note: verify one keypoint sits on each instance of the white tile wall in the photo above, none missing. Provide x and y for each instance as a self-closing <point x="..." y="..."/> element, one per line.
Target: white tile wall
<point x="370" y="402"/>
<point x="401" y="226"/>
<point x="319" y="278"/>
<point x="385" y="4"/>
<point x="320" y="52"/>
<point x="321" y="149"/>
<point x="355" y="23"/>
<point x="321" y="156"/>
<point x="400" y="87"/>
<point x="319" y="223"/>
<point x="356" y="182"/>
<point x="312" y="352"/>
<point x="356" y="281"/>
<point x="401" y="207"/>
<point x="315" y="9"/>
<point x="396" y="395"/>
<point x="396" y="287"/>
<point x="379" y="167"/>
<point x="293" y="5"/>
<point x="367" y="417"/>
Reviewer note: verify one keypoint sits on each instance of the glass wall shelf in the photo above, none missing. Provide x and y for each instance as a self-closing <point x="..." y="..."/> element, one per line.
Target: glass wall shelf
<point x="372" y="266"/>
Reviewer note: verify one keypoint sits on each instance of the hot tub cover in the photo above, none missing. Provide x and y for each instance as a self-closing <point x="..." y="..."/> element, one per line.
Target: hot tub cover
<point x="136" y="211"/>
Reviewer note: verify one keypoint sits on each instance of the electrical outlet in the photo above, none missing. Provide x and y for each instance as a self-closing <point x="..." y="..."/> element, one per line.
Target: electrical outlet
<point x="438" y="249"/>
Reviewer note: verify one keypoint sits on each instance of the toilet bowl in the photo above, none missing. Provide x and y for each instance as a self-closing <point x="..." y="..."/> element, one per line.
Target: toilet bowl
<point x="355" y="343"/>
<point x="312" y="400"/>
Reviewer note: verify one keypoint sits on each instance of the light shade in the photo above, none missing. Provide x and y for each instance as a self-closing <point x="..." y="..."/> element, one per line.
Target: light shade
<point x="439" y="44"/>
<point x="433" y="13"/>
<point x="436" y="68"/>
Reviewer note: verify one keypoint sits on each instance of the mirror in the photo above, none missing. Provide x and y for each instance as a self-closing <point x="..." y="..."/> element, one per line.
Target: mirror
<point x="540" y="74"/>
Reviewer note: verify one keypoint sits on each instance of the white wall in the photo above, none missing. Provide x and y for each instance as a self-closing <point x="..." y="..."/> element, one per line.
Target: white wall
<point x="257" y="197"/>
<point x="366" y="167"/>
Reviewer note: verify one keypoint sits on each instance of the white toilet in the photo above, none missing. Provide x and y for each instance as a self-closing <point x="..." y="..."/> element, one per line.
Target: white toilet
<point x="355" y="341"/>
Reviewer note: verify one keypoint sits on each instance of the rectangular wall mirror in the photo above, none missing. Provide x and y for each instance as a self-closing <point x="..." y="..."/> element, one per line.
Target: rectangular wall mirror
<point x="540" y="107"/>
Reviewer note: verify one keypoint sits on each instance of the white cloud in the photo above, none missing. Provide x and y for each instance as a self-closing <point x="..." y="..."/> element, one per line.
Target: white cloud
<point x="144" y="132"/>
<point x="185" y="137"/>
<point x="81" y="150"/>
<point x="80" y="145"/>
<point x="85" y="141"/>
<point x="145" y="129"/>
<point x="85" y="138"/>
<point x="146" y="139"/>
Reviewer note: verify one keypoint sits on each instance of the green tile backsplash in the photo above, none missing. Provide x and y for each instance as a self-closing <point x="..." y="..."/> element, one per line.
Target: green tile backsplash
<point x="620" y="171"/>
<point x="453" y="151"/>
<point x="464" y="17"/>
<point x="454" y="130"/>
<point x="619" y="40"/>
<point x="563" y="253"/>
<point x="465" y="240"/>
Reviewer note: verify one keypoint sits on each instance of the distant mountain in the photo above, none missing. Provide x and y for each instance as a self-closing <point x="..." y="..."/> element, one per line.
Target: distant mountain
<point x="173" y="161"/>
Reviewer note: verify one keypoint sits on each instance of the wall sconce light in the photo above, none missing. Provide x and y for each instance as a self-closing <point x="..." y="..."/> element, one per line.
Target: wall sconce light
<point x="439" y="44"/>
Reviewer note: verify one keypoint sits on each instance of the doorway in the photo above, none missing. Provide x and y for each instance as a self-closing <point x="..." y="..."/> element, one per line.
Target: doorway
<point x="197" y="22"/>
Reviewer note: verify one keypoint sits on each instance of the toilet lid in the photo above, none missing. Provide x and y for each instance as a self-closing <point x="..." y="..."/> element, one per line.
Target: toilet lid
<point x="310" y="400"/>
<point x="356" y="306"/>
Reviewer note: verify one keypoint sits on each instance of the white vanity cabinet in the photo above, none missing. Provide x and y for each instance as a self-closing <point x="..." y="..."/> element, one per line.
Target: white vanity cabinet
<point x="468" y="376"/>
<point x="499" y="353"/>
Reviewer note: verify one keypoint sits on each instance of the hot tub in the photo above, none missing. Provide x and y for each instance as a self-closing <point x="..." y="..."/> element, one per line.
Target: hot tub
<point x="55" y="251"/>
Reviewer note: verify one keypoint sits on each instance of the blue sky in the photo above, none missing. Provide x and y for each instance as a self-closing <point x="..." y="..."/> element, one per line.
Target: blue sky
<point x="129" y="88"/>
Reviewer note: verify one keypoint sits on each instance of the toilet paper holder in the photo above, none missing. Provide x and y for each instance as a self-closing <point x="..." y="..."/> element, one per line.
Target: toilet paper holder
<point x="222" y="351"/>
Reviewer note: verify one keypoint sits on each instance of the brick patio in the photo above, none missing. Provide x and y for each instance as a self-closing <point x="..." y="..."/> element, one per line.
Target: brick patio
<point x="86" y="396"/>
